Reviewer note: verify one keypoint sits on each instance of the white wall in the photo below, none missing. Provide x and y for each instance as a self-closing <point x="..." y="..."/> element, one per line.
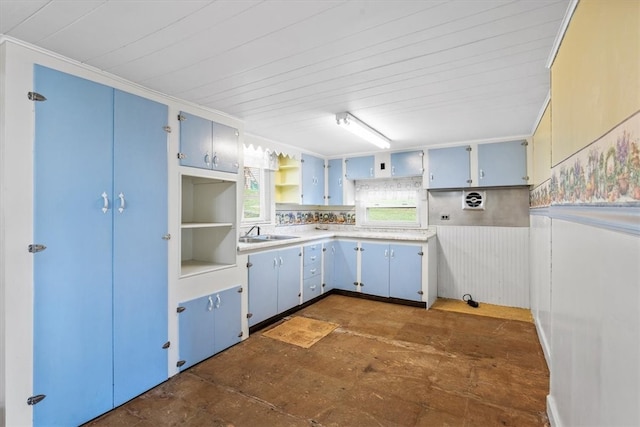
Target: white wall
<point x="490" y="263"/>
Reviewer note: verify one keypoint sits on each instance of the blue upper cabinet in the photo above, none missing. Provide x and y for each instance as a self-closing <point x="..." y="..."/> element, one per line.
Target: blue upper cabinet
<point x="334" y="177"/>
<point x="207" y="145"/>
<point x="312" y="180"/>
<point x="450" y="167"/>
<point x="359" y="167"/>
<point x="502" y="163"/>
<point x="407" y="163"/>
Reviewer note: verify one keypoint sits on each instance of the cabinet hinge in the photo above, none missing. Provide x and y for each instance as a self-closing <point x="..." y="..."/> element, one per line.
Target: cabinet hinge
<point x="469" y="148"/>
<point x="324" y="284"/>
<point x="166" y="345"/>
<point x="249" y="265"/>
<point x="35" y="399"/>
<point x="525" y="143"/>
<point x="36" y="248"/>
<point x="324" y="249"/>
<point x="180" y="363"/>
<point x="421" y="154"/>
<point x="356" y="249"/>
<point x="167" y="129"/>
<point x="181" y="309"/>
<point x="469" y="181"/>
<point x="526" y="178"/>
<point x="182" y="156"/>
<point x="249" y="315"/>
<point x="35" y="96"/>
<point x="240" y="334"/>
<point x="361" y="284"/>
<point x="420" y="293"/>
<point x="421" y="253"/>
<point x="355" y="283"/>
<point x="301" y="160"/>
<point x="182" y="117"/>
<point x="240" y="290"/>
<point x="166" y="237"/>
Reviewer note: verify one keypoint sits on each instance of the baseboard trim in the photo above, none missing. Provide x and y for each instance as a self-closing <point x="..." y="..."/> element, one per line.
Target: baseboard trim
<point x="552" y="412"/>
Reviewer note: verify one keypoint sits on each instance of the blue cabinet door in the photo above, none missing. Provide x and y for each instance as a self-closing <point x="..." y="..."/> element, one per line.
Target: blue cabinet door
<point x="73" y="362"/>
<point x="374" y="270"/>
<point x="195" y="141"/>
<point x="449" y="167"/>
<point x="329" y="265"/>
<point x="359" y="167"/>
<point x="345" y="270"/>
<point x="405" y="271"/>
<point x="227" y="320"/>
<point x="502" y="163"/>
<point x="312" y="180"/>
<point x="196" y="330"/>
<point x="140" y="254"/>
<point x="263" y="286"/>
<point x="288" y="278"/>
<point x="225" y="148"/>
<point x="408" y="163"/>
<point x="334" y="178"/>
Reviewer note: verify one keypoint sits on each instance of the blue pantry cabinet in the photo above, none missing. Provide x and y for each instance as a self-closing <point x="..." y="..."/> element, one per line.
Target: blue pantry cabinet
<point x="334" y="179"/>
<point x="206" y="144"/>
<point x="208" y="325"/>
<point x="100" y="286"/>
<point x="449" y="167"/>
<point x="391" y="270"/>
<point x="359" y="167"/>
<point x="406" y="163"/>
<point x="312" y="170"/>
<point x="274" y="283"/>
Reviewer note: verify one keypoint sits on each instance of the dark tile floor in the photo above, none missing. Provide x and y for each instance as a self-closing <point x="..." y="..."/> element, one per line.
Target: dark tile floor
<point x="386" y="365"/>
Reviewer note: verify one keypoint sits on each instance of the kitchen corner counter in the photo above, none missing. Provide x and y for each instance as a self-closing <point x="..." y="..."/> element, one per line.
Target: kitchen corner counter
<point x="312" y="235"/>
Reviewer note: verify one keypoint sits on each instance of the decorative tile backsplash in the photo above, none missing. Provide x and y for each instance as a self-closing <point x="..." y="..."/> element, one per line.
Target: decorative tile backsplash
<point x="604" y="173"/>
<point x="315" y="217"/>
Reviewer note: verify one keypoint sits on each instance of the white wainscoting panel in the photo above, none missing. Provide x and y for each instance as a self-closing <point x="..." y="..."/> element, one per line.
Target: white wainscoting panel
<point x="490" y="263"/>
<point x="540" y="282"/>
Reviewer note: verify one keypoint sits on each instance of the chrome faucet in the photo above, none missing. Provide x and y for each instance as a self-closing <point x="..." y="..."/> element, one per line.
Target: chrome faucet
<point x="257" y="227"/>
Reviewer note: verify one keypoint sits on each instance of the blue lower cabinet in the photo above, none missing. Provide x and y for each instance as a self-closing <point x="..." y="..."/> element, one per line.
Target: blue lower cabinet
<point x="405" y="272"/>
<point x="311" y="271"/>
<point x="328" y="269"/>
<point x="374" y="272"/>
<point x="345" y="268"/>
<point x="274" y="283"/>
<point x="208" y="325"/>
<point x="311" y="288"/>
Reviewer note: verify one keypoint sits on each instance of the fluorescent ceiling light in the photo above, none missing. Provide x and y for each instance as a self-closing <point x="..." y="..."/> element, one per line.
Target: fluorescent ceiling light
<point x="352" y="124"/>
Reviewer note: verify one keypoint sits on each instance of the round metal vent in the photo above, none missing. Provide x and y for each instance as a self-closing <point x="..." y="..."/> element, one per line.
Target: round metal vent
<point x="473" y="200"/>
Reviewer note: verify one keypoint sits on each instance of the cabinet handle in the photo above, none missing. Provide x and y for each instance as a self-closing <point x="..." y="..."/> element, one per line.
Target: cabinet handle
<point x="392" y="254"/>
<point x="312" y="287"/>
<point x="393" y="170"/>
<point x="431" y="176"/>
<point x="312" y="258"/>
<point x="386" y="253"/>
<point x="281" y="261"/>
<point x="215" y="160"/>
<point x="275" y="263"/>
<point x="340" y="182"/>
<point x="370" y="171"/>
<point x="218" y="301"/>
<point x="312" y="271"/>
<point x="105" y="199"/>
<point x="481" y="173"/>
<point x="210" y="306"/>
<point x="121" y="208"/>
<point x="207" y="159"/>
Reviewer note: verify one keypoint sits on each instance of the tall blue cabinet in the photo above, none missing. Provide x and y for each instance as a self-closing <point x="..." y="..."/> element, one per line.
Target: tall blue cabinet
<point x="100" y="285"/>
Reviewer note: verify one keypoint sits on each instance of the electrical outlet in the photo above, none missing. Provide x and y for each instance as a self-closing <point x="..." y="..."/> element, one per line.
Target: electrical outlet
<point x="444" y="217"/>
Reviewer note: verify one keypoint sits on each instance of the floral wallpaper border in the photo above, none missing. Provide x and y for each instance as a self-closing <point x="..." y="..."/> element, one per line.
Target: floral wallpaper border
<point x="540" y="197"/>
<point x="315" y="217"/>
<point x="604" y="173"/>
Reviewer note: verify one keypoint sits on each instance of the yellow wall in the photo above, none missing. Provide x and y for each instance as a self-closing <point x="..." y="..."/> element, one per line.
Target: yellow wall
<point x="595" y="78"/>
<point x="541" y="152"/>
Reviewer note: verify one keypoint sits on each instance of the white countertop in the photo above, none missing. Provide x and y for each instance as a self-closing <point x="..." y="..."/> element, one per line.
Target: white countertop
<point x="311" y="235"/>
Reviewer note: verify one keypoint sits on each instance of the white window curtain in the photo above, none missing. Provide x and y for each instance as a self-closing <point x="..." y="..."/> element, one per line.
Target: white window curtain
<point x="257" y="157"/>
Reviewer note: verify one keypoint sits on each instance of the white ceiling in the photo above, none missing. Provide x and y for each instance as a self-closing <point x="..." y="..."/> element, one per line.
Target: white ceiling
<point x="422" y="72"/>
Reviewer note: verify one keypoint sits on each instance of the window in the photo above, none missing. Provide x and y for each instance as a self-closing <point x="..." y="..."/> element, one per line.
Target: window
<point x="389" y="203"/>
<point x="255" y="206"/>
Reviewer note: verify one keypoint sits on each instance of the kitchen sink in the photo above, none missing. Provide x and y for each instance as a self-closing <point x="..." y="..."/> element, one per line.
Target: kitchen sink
<point x="264" y="238"/>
